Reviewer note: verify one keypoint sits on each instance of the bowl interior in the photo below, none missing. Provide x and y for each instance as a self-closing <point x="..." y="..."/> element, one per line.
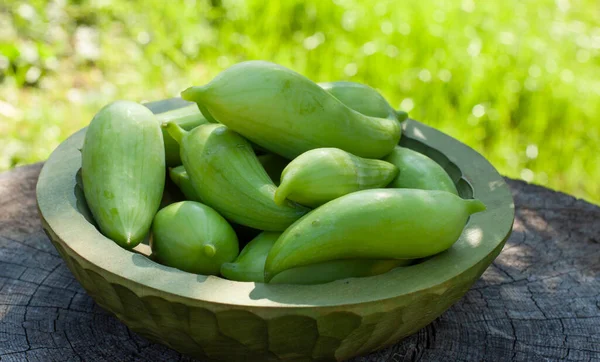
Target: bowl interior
<point x="63" y="207"/>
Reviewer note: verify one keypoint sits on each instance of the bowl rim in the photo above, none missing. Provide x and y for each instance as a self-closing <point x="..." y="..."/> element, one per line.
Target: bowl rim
<point x="483" y="236"/>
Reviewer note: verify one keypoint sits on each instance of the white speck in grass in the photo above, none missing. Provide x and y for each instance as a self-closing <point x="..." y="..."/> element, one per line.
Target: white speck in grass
<point x="531" y="84"/>
<point x="551" y="66"/>
<point x="507" y="38"/>
<point x="313" y="41"/>
<point x="223" y="61"/>
<point x="595" y="41"/>
<point x="349" y="20"/>
<point x="392" y="51"/>
<point x="527" y="175"/>
<point x="143" y="37"/>
<point x="387" y="27"/>
<point x="8" y="110"/>
<point x="474" y="48"/>
<point x="425" y="75"/>
<point x="32" y="75"/>
<point x="468" y="6"/>
<point x="563" y="5"/>
<point x="531" y="151"/>
<point x="351" y="69"/>
<point x="369" y="48"/>
<point x="404" y="28"/>
<point x="29" y="53"/>
<point x="74" y="95"/>
<point x="583" y="55"/>
<point x="566" y="75"/>
<point x="52" y="133"/>
<point x="4" y="62"/>
<point x="87" y="43"/>
<point x="26" y="11"/>
<point x="478" y="110"/>
<point x="535" y="71"/>
<point x="407" y="105"/>
<point x="445" y="75"/>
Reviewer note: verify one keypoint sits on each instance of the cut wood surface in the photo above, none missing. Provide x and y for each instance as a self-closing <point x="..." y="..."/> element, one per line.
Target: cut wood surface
<point x="539" y="300"/>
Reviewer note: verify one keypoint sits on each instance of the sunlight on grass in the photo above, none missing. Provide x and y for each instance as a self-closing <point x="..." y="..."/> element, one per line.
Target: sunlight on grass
<point x="517" y="81"/>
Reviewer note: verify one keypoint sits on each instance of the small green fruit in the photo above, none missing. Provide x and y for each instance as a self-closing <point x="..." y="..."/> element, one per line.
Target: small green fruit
<point x="193" y="237"/>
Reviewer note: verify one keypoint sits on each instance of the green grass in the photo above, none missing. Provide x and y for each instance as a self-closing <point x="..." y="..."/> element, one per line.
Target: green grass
<point x="518" y="81"/>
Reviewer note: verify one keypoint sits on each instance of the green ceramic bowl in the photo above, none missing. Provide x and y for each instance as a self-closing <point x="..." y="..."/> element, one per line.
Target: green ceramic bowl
<point x="216" y="319"/>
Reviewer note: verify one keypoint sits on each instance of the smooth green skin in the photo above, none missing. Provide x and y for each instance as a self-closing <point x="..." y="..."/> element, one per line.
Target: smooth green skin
<point x="274" y="165"/>
<point x="288" y="114"/>
<point x="418" y="171"/>
<point x="227" y="176"/>
<point x="188" y="118"/>
<point x="323" y="174"/>
<point x="123" y="171"/>
<point x="180" y="177"/>
<point x="373" y="224"/>
<point x="249" y="266"/>
<point x="192" y="237"/>
<point x="361" y="98"/>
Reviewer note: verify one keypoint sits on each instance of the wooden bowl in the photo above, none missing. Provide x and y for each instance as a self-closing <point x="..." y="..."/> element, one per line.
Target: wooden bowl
<point x="216" y="319"/>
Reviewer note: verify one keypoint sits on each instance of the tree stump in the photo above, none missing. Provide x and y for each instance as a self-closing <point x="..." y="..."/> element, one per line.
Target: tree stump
<point x="539" y="300"/>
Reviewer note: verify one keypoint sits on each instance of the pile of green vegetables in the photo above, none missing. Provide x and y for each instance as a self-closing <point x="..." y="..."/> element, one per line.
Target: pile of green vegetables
<point x="315" y="168"/>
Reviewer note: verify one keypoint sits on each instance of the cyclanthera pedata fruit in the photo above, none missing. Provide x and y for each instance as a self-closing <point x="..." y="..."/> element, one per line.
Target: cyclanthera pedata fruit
<point x="193" y="237"/>
<point x="288" y="114"/>
<point x="323" y="174"/>
<point x="418" y="171"/>
<point x="187" y="117"/>
<point x="123" y="170"/>
<point x="250" y="264"/>
<point x="373" y="224"/>
<point x="227" y="176"/>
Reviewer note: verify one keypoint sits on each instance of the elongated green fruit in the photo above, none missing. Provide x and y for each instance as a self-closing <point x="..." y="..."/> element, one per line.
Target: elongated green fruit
<point x="180" y="177"/>
<point x="123" y="170"/>
<point x="193" y="237"/>
<point x="361" y="98"/>
<point x="274" y="165"/>
<point x="323" y="174"/>
<point x="371" y="224"/>
<point x="288" y="114"/>
<point x="250" y="264"/>
<point x="187" y="118"/>
<point x="227" y="175"/>
<point x="418" y="171"/>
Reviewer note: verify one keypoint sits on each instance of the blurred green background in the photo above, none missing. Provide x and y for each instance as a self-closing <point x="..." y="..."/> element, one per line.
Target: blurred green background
<point x="519" y="81"/>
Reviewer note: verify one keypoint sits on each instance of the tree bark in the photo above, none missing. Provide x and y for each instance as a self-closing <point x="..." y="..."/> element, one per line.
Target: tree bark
<point x="539" y="300"/>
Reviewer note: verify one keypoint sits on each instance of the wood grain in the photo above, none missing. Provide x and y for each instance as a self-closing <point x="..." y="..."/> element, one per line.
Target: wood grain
<point x="540" y="299"/>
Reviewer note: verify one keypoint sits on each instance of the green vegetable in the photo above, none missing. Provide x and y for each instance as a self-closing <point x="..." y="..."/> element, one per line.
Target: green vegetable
<point x="249" y="266"/>
<point x="323" y="174"/>
<point x="227" y="176"/>
<point x="274" y="165"/>
<point x="418" y="171"/>
<point x="373" y="224"/>
<point x="123" y="170"/>
<point x="361" y="98"/>
<point x="187" y="118"/>
<point x="288" y="114"/>
<point x="180" y="177"/>
<point x="193" y="237"/>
